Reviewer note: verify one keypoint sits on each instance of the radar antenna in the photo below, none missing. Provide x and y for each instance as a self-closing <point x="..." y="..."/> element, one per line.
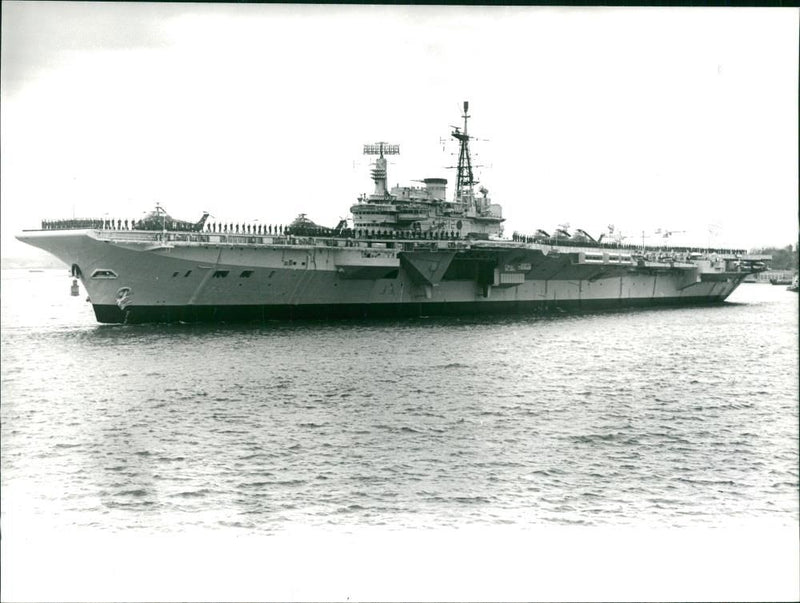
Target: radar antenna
<point x="379" y="171"/>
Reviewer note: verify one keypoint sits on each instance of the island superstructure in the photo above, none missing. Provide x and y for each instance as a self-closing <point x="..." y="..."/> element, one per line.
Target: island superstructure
<point x="426" y="209"/>
<point x="410" y="251"/>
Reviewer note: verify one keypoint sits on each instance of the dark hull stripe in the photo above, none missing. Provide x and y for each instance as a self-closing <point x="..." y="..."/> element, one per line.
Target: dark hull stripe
<point x="231" y="313"/>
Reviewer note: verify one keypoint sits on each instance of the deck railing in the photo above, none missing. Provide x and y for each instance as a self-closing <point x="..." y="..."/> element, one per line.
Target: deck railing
<point x="110" y="230"/>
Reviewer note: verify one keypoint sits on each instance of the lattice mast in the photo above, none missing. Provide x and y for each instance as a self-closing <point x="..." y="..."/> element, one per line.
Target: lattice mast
<point x="379" y="170"/>
<point x="464" y="178"/>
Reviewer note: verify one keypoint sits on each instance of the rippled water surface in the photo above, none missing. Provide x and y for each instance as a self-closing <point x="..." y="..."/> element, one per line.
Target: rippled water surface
<point x="678" y="417"/>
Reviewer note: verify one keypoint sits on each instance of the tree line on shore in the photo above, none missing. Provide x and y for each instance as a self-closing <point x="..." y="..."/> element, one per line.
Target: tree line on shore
<point x="783" y="258"/>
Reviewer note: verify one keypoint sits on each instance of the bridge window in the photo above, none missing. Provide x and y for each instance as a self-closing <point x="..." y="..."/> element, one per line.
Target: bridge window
<point x="188" y="272"/>
<point x="221" y="273"/>
<point x="246" y="274"/>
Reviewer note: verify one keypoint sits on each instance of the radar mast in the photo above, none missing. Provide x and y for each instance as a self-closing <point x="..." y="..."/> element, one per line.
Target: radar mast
<point x="379" y="171"/>
<point x="464" y="178"/>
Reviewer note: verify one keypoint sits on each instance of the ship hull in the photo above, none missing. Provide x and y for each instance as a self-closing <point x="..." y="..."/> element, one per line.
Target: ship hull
<point x="135" y="277"/>
<point x="112" y="314"/>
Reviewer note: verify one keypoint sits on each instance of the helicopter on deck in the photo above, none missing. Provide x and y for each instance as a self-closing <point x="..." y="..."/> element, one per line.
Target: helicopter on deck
<point x="159" y="219"/>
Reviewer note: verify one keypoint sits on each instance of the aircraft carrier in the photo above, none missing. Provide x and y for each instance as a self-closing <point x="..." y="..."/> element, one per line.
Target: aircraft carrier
<point x="408" y="251"/>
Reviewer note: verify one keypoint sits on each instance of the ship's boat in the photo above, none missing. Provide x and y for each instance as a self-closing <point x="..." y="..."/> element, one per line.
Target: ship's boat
<point x="410" y="251"/>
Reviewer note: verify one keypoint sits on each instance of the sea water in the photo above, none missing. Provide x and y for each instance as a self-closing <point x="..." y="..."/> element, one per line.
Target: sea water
<point x="564" y="427"/>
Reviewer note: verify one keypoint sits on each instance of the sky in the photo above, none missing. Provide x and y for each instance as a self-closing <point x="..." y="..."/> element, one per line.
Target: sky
<point x="671" y="119"/>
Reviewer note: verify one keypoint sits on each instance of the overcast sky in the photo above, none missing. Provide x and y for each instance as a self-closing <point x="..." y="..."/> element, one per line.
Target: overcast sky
<point x="647" y="118"/>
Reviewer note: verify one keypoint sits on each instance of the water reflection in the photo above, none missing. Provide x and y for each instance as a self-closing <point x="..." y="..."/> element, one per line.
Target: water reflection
<point x="668" y="415"/>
